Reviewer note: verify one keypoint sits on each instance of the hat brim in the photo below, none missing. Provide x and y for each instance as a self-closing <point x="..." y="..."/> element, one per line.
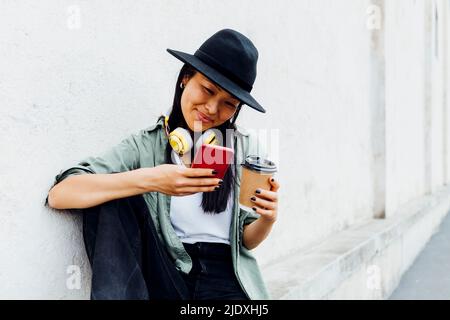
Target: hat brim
<point x="215" y="76"/>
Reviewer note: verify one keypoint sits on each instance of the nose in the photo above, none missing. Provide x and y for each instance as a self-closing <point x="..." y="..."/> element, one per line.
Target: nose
<point x="212" y="106"/>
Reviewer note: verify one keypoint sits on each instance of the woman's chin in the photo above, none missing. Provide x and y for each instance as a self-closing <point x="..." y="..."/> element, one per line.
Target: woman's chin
<point x="199" y="126"/>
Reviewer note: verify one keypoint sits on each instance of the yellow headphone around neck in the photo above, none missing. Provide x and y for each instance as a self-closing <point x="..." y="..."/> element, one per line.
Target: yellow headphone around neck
<point x="181" y="141"/>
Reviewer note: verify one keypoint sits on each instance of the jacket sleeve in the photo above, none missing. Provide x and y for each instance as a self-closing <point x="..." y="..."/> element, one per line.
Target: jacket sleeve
<point x="120" y="158"/>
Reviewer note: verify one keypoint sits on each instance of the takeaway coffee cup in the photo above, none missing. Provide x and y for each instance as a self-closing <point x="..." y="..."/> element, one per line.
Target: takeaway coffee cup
<point x="256" y="172"/>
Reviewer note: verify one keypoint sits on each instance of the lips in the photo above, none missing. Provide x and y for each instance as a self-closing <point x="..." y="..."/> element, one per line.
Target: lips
<point x="203" y="118"/>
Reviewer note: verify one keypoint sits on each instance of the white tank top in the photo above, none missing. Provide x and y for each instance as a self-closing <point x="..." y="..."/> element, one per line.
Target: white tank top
<point x="192" y="224"/>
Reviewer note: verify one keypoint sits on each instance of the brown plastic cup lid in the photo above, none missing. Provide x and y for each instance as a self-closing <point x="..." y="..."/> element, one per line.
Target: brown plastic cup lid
<point x="259" y="164"/>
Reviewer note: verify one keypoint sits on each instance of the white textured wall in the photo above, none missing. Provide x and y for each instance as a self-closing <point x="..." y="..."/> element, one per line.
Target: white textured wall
<point x="415" y="99"/>
<point x="446" y="48"/>
<point x="318" y="88"/>
<point x="405" y="98"/>
<point x="66" y="93"/>
<point x="437" y="70"/>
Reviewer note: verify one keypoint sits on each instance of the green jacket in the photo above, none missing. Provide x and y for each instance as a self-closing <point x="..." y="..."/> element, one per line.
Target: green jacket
<point x="146" y="149"/>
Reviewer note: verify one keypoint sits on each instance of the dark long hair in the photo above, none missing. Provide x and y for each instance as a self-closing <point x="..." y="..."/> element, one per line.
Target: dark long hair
<point x="215" y="201"/>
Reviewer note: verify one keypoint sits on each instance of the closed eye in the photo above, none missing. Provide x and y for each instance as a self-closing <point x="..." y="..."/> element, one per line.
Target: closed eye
<point x="208" y="90"/>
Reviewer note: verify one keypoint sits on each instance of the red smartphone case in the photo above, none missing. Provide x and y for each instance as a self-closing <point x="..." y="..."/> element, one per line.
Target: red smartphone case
<point x="213" y="157"/>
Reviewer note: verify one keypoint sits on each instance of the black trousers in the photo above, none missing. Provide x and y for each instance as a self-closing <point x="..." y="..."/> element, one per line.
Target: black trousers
<point x="212" y="276"/>
<point x="129" y="261"/>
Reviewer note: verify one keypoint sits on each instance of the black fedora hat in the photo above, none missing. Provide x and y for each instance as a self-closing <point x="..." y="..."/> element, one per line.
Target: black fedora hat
<point x="229" y="59"/>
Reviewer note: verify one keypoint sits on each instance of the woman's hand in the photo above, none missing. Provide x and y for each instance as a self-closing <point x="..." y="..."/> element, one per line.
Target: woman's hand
<point x="266" y="202"/>
<point x="178" y="180"/>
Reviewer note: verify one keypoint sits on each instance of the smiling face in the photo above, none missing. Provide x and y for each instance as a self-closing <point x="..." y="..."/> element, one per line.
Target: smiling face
<point x="204" y="104"/>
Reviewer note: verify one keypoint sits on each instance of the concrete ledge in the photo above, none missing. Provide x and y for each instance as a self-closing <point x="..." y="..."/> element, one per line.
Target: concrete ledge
<point x="364" y="261"/>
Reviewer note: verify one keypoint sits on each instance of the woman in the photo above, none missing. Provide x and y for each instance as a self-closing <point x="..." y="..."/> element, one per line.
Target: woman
<point x="157" y="230"/>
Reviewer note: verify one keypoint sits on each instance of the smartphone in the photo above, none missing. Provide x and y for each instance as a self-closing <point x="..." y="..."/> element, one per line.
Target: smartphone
<point x="213" y="157"/>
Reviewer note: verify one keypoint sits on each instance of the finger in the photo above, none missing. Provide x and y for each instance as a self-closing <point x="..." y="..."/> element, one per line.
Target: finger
<point x="267" y="214"/>
<point x="266" y="194"/>
<point x="199" y="189"/>
<point x="184" y="194"/>
<point x="199" y="172"/>
<point x="274" y="185"/>
<point x="265" y="204"/>
<point x="202" y="182"/>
